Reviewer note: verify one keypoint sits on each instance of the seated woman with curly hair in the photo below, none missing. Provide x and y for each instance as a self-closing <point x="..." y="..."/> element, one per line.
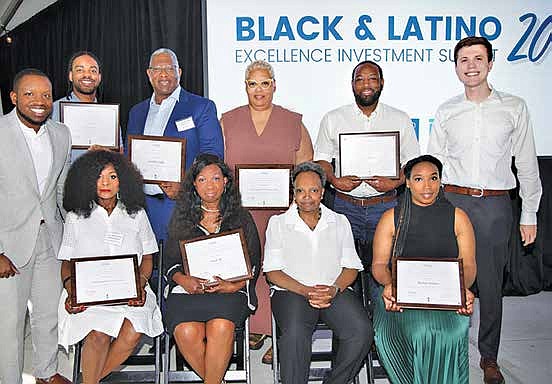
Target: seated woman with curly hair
<point x="202" y="319"/>
<point x="105" y="202"/>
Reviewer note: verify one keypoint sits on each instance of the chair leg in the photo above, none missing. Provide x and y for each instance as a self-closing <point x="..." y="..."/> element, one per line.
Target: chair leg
<point x="247" y="357"/>
<point x="275" y="366"/>
<point x="76" y="362"/>
<point x="166" y="359"/>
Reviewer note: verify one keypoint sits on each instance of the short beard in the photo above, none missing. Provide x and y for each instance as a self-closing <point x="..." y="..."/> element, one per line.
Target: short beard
<point x="83" y="91"/>
<point x="367" y="101"/>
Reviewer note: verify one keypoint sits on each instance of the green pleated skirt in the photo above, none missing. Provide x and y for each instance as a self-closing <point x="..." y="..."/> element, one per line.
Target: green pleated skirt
<point x="422" y="346"/>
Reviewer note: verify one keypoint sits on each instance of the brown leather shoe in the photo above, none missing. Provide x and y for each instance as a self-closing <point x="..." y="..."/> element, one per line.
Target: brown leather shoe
<point x="491" y="371"/>
<point x="56" y="379"/>
<point x="267" y="358"/>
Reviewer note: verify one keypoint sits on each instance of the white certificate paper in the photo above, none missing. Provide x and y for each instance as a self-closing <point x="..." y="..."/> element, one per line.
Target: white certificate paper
<point x="429" y="283"/>
<point x="158" y="159"/>
<point x="222" y="255"/>
<point x="91" y="123"/>
<point x="264" y="187"/>
<point x="104" y="280"/>
<point x="369" y="154"/>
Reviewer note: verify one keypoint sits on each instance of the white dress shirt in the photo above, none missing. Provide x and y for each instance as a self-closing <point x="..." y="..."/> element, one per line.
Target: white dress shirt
<point x="156" y="121"/>
<point x="40" y="147"/>
<point x="476" y="142"/>
<point x="350" y="119"/>
<point x="310" y="256"/>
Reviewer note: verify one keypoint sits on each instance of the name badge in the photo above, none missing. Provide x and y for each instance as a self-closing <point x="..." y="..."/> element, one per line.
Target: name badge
<point x="185" y="124"/>
<point x="114" y="238"/>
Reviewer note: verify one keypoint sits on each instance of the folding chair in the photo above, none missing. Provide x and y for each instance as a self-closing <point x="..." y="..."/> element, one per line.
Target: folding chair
<point x="149" y="358"/>
<point x="240" y="359"/>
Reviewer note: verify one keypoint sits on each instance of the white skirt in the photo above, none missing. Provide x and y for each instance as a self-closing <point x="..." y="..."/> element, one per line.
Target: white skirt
<point x="108" y="319"/>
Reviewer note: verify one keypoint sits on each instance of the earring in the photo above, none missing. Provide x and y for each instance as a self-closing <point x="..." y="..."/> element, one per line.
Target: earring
<point x="118" y="196"/>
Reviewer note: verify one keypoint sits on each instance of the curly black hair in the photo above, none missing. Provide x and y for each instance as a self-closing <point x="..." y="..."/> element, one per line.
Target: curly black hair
<point x="188" y="213"/>
<point x="80" y="189"/>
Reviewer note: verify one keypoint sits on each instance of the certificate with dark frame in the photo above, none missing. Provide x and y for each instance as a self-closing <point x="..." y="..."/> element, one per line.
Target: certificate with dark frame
<point x="105" y="280"/>
<point x="265" y="186"/>
<point x="91" y="123"/>
<point x="369" y="154"/>
<point x="223" y="254"/>
<point x="429" y="283"/>
<point x="159" y="159"/>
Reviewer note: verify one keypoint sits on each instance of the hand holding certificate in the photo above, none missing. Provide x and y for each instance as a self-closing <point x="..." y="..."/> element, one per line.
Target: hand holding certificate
<point x="429" y="283"/>
<point x="105" y="280"/>
<point x="159" y="159"/>
<point x="224" y="255"/>
<point x="91" y="124"/>
<point x="369" y="154"/>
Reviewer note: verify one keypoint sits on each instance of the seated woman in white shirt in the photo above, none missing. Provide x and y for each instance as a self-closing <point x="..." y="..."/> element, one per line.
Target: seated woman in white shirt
<point x="311" y="261"/>
<point x="105" y="202"/>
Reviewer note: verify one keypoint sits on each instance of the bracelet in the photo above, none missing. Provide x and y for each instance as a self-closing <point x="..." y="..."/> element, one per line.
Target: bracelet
<point x="66" y="280"/>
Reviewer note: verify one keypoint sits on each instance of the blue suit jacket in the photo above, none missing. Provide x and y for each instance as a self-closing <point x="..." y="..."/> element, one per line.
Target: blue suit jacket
<point x="205" y="136"/>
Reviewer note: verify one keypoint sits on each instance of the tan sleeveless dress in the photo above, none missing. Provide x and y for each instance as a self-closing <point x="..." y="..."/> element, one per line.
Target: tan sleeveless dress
<point x="277" y="144"/>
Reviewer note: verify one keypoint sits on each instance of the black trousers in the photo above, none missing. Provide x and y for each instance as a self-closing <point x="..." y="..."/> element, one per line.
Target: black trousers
<point x="491" y="218"/>
<point x="297" y="320"/>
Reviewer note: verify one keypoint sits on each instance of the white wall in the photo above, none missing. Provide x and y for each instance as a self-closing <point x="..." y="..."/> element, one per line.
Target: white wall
<point x="415" y="84"/>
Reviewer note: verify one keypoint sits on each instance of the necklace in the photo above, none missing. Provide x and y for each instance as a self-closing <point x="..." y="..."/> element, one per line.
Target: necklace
<point x="316" y="220"/>
<point x="209" y="210"/>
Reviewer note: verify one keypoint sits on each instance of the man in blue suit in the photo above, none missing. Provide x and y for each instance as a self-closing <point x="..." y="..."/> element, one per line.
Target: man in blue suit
<point x="173" y="112"/>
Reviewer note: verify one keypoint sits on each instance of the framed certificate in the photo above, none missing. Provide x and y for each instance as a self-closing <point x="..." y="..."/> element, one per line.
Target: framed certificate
<point x="158" y="158"/>
<point x="429" y="283"/>
<point x="369" y="154"/>
<point x="224" y="255"/>
<point x="91" y="123"/>
<point x="105" y="280"/>
<point x="264" y="186"/>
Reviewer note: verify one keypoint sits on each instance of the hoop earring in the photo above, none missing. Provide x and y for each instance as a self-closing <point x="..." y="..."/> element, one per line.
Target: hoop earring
<point x="118" y="196"/>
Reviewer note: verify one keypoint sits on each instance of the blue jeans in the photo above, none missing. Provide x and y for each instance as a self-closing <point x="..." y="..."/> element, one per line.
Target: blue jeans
<point x="363" y="223"/>
<point x="363" y="219"/>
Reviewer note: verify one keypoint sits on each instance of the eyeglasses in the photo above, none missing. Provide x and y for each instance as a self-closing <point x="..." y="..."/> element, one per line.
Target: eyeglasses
<point x="168" y="69"/>
<point x="264" y="84"/>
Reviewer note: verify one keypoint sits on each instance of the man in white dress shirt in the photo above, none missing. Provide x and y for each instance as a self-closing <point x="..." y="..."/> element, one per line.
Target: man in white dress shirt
<point x="34" y="159"/>
<point x="475" y="135"/>
<point x="364" y="201"/>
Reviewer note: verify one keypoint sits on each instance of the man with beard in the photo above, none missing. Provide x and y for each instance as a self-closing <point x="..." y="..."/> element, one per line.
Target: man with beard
<point x="364" y="201"/>
<point x="34" y="159"/>
<point x="84" y="76"/>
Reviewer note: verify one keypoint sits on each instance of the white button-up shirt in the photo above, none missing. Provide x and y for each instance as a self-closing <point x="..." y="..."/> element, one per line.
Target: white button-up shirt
<point x="40" y="147"/>
<point x="156" y="121"/>
<point x="310" y="256"/>
<point x="476" y="142"/>
<point x="350" y="119"/>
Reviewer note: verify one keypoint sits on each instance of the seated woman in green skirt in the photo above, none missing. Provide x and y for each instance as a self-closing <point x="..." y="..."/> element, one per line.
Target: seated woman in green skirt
<point x="421" y="346"/>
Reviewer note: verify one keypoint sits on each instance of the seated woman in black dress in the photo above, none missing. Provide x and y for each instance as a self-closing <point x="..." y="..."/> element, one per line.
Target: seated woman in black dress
<point x="202" y="319"/>
<point x="423" y="346"/>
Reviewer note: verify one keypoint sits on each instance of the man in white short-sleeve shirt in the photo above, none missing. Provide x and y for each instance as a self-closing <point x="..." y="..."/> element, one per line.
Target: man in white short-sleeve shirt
<point x="363" y="202"/>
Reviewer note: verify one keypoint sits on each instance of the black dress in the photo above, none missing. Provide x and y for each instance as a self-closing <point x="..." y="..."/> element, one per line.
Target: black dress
<point x="425" y="346"/>
<point x="182" y="307"/>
